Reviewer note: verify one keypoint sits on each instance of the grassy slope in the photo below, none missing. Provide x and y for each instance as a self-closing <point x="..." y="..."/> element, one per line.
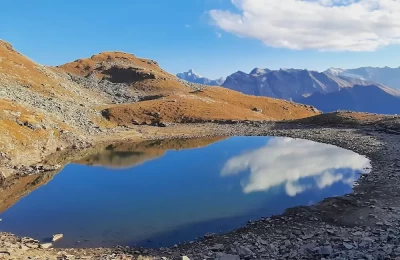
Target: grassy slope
<point x="181" y="104"/>
<point x="27" y="86"/>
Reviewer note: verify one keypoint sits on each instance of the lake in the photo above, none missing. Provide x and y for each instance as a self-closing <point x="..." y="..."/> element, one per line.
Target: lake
<point x="159" y="193"/>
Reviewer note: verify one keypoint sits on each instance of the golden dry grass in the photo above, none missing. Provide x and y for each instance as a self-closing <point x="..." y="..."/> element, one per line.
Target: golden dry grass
<point x="214" y="103"/>
<point x="15" y="67"/>
<point x="353" y="119"/>
<point x="163" y="82"/>
<point x="344" y="118"/>
<point x="180" y="103"/>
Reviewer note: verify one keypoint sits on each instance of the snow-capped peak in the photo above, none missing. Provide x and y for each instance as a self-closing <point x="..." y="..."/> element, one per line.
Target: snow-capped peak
<point x="192" y="73"/>
<point x="192" y="76"/>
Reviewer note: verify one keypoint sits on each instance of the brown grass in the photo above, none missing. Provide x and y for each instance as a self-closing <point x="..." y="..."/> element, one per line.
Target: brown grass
<point x="348" y="118"/>
<point x="353" y="119"/>
<point x="214" y="103"/>
<point x="18" y="68"/>
<point x="17" y="139"/>
<point x="83" y="67"/>
<point x="179" y="104"/>
<point x="164" y="80"/>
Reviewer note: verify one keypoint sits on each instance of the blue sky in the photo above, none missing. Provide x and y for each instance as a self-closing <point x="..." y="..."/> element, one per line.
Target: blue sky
<point x="179" y="34"/>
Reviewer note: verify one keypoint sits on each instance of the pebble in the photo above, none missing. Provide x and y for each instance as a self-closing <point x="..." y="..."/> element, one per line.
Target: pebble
<point x="57" y="237"/>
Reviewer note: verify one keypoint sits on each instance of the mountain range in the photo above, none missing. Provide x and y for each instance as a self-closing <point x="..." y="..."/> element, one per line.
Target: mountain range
<point x="289" y="84"/>
<point x="386" y="75"/>
<point x="370" y="98"/>
<point x="193" y="77"/>
<point x="334" y="89"/>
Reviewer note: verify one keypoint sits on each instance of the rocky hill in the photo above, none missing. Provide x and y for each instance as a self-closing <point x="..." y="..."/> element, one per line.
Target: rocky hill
<point x="46" y="109"/>
<point x="192" y="76"/>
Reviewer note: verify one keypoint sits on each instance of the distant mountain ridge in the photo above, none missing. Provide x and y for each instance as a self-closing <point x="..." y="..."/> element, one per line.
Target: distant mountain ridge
<point x="386" y="75"/>
<point x="371" y="98"/>
<point x="192" y="76"/>
<point x="289" y="84"/>
<point x="334" y="89"/>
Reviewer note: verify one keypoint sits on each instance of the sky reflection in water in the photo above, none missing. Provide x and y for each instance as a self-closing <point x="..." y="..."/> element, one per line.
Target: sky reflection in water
<point x="152" y="194"/>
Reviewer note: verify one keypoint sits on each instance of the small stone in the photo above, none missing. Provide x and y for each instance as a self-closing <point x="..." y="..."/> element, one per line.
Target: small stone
<point x="57" y="237"/>
<point x="325" y="250"/>
<point x="222" y="256"/>
<point x="309" y="247"/>
<point x="244" y="251"/>
<point x="273" y="248"/>
<point x="217" y="247"/>
<point x="24" y="247"/>
<point x="144" y="258"/>
<point x="287" y="243"/>
<point x="185" y="258"/>
<point x="209" y="235"/>
<point x="261" y="241"/>
<point x="4" y="254"/>
<point x="255" y="109"/>
<point x="46" y="245"/>
<point x="330" y="232"/>
<point x="347" y="245"/>
<point x="307" y="236"/>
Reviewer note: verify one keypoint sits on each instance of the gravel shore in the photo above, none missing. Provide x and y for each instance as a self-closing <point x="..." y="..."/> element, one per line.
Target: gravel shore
<point x="361" y="225"/>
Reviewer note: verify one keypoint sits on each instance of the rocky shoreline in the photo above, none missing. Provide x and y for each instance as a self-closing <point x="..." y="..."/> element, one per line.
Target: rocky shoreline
<point x="361" y="225"/>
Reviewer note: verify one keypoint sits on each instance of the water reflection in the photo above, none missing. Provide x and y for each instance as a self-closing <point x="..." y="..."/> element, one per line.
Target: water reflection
<point x="170" y="191"/>
<point x="288" y="162"/>
<point x="126" y="155"/>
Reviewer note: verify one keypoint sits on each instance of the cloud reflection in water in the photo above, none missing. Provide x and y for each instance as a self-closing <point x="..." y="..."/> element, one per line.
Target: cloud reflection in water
<point x="288" y="162"/>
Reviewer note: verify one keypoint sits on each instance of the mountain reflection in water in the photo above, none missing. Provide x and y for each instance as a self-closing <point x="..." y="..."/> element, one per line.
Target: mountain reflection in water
<point x="170" y="191"/>
<point x="125" y="155"/>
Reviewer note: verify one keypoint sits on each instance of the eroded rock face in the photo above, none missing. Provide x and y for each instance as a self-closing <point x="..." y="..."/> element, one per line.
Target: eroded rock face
<point x="127" y="75"/>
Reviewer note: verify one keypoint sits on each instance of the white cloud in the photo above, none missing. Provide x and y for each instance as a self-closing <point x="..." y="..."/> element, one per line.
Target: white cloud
<point x="285" y="161"/>
<point x="328" y="25"/>
<point x="327" y="179"/>
<point x="292" y="188"/>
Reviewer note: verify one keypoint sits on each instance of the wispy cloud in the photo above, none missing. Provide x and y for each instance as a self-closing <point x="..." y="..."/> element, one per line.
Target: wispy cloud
<point x="328" y="25"/>
<point x="219" y="35"/>
<point x="285" y="161"/>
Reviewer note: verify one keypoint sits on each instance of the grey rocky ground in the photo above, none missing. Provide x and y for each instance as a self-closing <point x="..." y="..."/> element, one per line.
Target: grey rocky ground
<point x="361" y="225"/>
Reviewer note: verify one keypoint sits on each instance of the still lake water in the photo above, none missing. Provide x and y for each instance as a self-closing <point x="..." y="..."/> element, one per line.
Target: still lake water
<point x="159" y="193"/>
